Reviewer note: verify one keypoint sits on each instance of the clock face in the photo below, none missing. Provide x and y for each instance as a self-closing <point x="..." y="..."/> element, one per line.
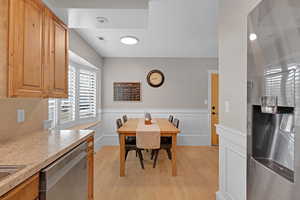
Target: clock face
<point x="155" y="78"/>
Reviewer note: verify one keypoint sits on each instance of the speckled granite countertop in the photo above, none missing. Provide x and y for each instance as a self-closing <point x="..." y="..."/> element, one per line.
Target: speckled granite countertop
<point x="36" y="151"/>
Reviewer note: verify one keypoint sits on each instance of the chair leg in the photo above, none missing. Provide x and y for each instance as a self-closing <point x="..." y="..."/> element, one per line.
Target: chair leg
<point x="152" y="154"/>
<point x="141" y="158"/>
<point x="126" y="154"/>
<point x="169" y="153"/>
<point x="136" y="153"/>
<point x="155" y="158"/>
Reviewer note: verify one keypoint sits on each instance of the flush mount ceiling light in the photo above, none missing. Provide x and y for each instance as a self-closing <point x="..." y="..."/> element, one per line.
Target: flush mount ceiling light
<point x="252" y="36"/>
<point x="129" y="40"/>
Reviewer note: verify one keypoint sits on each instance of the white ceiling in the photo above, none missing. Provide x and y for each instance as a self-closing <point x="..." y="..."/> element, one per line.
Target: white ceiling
<point x="115" y="4"/>
<point x="166" y="28"/>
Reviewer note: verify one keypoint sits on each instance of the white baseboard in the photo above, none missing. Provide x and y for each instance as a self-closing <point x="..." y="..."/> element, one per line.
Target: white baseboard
<point x="193" y="140"/>
<point x="220" y="196"/>
<point x="99" y="143"/>
<point x="186" y="140"/>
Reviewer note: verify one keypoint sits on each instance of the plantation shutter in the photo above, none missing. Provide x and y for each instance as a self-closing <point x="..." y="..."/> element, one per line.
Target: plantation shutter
<point x="67" y="106"/>
<point x="87" y="94"/>
<point x="52" y="109"/>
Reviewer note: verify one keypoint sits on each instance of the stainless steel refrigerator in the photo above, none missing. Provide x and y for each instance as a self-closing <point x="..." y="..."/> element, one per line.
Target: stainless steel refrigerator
<point x="273" y="88"/>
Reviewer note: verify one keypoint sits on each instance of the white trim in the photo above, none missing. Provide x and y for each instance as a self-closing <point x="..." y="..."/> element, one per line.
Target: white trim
<point x="156" y="111"/>
<point x="233" y="136"/>
<point x="99" y="142"/>
<point x="232" y="164"/>
<point x="210" y="72"/>
<point x="220" y="196"/>
<point x="183" y="140"/>
<point x="193" y="124"/>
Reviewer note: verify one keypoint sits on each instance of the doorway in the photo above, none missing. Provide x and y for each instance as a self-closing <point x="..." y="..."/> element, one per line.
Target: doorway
<point x="214" y="106"/>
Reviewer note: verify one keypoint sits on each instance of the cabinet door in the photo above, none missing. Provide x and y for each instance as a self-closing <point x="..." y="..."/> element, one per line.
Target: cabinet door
<point x="59" y="60"/>
<point x="26" y="71"/>
<point x="29" y="190"/>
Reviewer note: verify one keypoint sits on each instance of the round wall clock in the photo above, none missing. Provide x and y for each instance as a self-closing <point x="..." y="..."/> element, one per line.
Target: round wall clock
<point x="155" y="78"/>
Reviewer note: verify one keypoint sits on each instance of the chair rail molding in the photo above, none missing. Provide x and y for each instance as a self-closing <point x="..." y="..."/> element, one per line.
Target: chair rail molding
<point x="193" y="124"/>
<point x="232" y="164"/>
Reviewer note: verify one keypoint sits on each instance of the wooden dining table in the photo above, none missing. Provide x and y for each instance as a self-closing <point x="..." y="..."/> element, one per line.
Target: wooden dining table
<point x="166" y="129"/>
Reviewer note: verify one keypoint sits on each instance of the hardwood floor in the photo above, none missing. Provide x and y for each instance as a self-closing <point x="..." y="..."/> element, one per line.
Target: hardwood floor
<point x="197" y="176"/>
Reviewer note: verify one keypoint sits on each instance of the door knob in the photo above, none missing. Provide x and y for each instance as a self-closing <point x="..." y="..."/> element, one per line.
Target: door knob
<point x="213" y="113"/>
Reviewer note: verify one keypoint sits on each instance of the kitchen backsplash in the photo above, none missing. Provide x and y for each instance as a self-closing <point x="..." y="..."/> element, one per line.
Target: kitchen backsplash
<point x="36" y="111"/>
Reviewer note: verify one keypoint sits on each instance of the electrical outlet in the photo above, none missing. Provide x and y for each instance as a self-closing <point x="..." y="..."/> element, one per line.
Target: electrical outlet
<point x="20" y="115"/>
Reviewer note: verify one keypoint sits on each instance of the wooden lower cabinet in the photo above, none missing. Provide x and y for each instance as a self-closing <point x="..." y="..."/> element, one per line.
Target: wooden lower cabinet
<point x="90" y="152"/>
<point x="28" y="190"/>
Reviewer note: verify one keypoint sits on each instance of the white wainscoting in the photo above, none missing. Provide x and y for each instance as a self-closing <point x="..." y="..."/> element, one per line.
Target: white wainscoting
<point x="193" y="125"/>
<point x="232" y="164"/>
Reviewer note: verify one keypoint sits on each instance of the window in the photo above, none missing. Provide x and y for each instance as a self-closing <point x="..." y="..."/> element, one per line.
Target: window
<point x="81" y="106"/>
<point x="52" y="105"/>
<point x="67" y="106"/>
<point x="87" y="94"/>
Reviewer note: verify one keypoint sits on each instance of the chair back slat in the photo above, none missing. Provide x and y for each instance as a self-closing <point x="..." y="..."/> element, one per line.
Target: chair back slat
<point x="125" y="119"/>
<point x="119" y="123"/>
<point x="176" y="123"/>
<point x="171" y="118"/>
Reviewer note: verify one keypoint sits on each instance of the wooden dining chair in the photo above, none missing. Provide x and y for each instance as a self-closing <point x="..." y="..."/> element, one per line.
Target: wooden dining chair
<point x="130" y="145"/>
<point x="166" y="144"/>
<point x="125" y="119"/>
<point x="176" y="122"/>
<point x="171" y="117"/>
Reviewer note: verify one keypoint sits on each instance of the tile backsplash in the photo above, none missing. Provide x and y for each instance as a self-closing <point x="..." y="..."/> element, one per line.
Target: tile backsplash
<point x="36" y="111"/>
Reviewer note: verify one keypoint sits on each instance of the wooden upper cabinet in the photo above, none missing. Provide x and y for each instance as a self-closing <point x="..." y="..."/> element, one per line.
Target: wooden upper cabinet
<point x="36" y="51"/>
<point x="59" y="61"/>
<point x="26" y="71"/>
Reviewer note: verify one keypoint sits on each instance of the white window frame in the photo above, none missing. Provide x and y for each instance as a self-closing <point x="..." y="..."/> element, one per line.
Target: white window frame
<point x="57" y="124"/>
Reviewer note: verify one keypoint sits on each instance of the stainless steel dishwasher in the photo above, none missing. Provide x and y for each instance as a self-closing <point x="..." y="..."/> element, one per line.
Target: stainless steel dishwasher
<point x="66" y="178"/>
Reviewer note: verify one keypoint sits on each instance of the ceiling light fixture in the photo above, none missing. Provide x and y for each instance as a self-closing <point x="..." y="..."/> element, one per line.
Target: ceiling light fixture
<point x="129" y="40"/>
<point x="252" y="36"/>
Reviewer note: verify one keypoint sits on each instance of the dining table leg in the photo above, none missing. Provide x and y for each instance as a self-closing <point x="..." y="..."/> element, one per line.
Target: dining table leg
<point x="174" y="146"/>
<point x="122" y="155"/>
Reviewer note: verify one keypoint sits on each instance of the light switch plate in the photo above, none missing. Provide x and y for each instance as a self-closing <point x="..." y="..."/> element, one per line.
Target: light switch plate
<point x="20" y="115"/>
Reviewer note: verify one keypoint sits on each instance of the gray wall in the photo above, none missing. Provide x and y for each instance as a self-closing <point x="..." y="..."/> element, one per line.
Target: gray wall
<point x="185" y="87"/>
<point x="80" y="47"/>
<point x="233" y="62"/>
